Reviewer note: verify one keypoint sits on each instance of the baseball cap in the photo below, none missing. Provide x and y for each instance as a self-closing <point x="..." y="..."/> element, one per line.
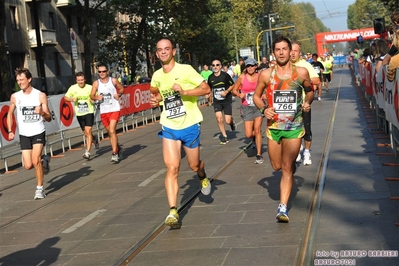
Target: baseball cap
<point x="250" y="61"/>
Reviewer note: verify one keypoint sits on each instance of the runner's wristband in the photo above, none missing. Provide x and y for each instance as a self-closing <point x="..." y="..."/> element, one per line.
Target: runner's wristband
<point x="262" y="110"/>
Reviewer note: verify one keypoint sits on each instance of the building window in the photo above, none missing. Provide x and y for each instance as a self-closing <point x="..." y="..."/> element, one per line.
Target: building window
<point x="14" y="17"/>
<point x="51" y="20"/>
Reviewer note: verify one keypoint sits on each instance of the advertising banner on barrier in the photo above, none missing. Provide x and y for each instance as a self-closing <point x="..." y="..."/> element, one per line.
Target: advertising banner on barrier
<point x="391" y="101"/>
<point x="4" y="107"/>
<point x="136" y="98"/>
<point x="379" y="87"/>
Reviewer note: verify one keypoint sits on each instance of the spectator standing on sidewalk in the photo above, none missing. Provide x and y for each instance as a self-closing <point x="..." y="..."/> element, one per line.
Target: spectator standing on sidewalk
<point x="178" y="86"/>
<point x="32" y="111"/>
<point x="79" y="94"/>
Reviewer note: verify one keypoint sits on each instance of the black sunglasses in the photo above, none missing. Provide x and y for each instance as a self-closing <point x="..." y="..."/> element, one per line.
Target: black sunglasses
<point x="251" y="65"/>
<point x="103" y="71"/>
<point x="216" y="65"/>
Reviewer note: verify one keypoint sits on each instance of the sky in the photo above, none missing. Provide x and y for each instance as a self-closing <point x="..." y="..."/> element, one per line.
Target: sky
<point x="332" y="13"/>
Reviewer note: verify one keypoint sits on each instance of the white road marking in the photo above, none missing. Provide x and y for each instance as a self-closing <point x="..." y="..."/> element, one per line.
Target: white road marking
<point x="148" y="180"/>
<point x="83" y="221"/>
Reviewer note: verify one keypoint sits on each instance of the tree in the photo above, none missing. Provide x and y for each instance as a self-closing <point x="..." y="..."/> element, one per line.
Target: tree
<point x="88" y="10"/>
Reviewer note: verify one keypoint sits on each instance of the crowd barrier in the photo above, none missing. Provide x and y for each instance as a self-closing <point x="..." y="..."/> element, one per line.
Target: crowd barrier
<point x="383" y="96"/>
<point x="64" y="125"/>
<point x="135" y="110"/>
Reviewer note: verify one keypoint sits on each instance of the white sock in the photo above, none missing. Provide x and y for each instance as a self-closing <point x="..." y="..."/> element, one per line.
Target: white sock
<point x="306" y="151"/>
<point x="39" y="187"/>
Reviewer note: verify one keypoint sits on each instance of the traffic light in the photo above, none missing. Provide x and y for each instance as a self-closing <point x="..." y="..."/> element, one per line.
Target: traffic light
<point x="379" y="25"/>
<point x="360" y="39"/>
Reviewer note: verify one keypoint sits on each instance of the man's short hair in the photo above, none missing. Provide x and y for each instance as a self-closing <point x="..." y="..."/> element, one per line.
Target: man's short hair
<point x="279" y="39"/>
<point x="80" y="74"/>
<point x="19" y="71"/>
<point x="102" y="65"/>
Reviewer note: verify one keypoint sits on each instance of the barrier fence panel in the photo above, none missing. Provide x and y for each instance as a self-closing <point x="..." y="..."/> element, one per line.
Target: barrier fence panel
<point x="384" y="94"/>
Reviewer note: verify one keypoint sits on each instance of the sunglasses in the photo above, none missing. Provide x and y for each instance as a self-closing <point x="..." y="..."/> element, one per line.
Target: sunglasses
<point x="216" y="65"/>
<point x="103" y="71"/>
<point x="251" y="65"/>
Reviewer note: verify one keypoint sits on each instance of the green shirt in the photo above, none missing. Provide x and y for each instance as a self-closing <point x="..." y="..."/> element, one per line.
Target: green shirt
<point x="206" y="73"/>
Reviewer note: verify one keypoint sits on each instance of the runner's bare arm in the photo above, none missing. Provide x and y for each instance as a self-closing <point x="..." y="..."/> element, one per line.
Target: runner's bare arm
<point x="43" y="108"/>
<point x="237" y="85"/>
<point x="263" y="82"/>
<point x="9" y="115"/>
<point x="200" y="90"/>
<point x="93" y="94"/>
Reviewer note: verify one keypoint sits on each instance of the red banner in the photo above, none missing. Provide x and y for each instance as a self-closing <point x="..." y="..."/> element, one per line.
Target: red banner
<point x="136" y="98"/>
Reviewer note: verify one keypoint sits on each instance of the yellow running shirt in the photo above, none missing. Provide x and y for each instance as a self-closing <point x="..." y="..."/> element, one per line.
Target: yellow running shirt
<point x="179" y="112"/>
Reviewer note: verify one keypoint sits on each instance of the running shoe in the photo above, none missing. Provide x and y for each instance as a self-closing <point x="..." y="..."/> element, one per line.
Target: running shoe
<point x="233" y="125"/>
<point x="299" y="157"/>
<point x="282" y="213"/>
<point x="86" y="155"/>
<point x="319" y="99"/>
<point x="114" y="158"/>
<point x="120" y="155"/>
<point x="172" y="219"/>
<point x="259" y="159"/>
<point x="326" y="89"/>
<point x="205" y="185"/>
<point x="39" y="194"/>
<point x="224" y="141"/>
<point x="46" y="164"/>
<point x="96" y="143"/>
<point x="307" y="158"/>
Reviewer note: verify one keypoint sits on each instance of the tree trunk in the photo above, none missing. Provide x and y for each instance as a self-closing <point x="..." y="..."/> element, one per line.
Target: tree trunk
<point x="86" y="42"/>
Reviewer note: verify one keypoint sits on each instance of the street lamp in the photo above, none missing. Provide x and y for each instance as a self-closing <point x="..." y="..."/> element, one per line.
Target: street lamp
<point x="272" y="17"/>
<point x="269" y="30"/>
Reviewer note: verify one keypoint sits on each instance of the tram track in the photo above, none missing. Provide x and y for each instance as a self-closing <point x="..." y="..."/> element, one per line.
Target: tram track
<point x="306" y="249"/>
<point x="135" y="250"/>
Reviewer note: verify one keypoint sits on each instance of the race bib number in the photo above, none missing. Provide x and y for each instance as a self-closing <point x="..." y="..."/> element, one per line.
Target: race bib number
<point x="107" y="99"/>
<point x="285" y="101"/>
<point x="218" y="94"/>
<point x="29" y="115"/>
<point x="317" y="68"/>
<point x="249" y="97"/>
<point x="174" y="106"/>
<point x="83" y="107"/>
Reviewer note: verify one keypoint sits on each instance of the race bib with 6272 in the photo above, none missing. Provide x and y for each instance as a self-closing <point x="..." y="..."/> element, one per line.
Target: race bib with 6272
<point x="285" y="101"/>
<point x="174" y="106"/>
<point x="83" y="107"/>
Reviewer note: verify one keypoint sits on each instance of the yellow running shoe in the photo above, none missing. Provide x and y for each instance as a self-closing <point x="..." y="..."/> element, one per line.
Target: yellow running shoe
<point x="172" y="219"/>
<point x="205" y="186"/>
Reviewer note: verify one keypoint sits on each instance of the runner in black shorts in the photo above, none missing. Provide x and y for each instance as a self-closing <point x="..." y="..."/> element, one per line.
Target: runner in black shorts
<point x="32" y="111"/>
<point x="221" y="85"/>
<point x="79" y="94"/>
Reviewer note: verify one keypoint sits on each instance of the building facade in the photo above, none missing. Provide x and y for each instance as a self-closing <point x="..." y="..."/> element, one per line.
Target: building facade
<point x="60" y="53"/>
